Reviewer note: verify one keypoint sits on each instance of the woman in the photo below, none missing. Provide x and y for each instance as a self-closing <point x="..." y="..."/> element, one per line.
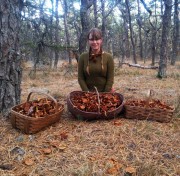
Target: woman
<point x="96" y="67"/>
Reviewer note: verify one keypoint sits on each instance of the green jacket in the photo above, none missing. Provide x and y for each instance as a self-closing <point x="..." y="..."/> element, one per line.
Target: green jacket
<point x="101" y="72"/>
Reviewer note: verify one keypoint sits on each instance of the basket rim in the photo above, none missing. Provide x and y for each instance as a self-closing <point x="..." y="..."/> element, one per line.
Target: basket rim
<point x="32" y="118"/>
<point x="122" y="104"/>
<point x="148" y="108"/>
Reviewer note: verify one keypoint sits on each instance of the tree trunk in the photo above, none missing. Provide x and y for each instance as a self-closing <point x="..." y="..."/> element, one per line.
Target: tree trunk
<point x="153" y="46"/>
<point x="51" y="35"/>
<point x="123" y="49"/>
<point x="67" y="30"/>
<point x="105" y="13"/>
<point x="145" y="46"/>
<point x="95" y="13"/>
<point x="85" y="22"/>
<point x="125" y="33"/>
<point x="104" y="35"/>
<point x="139" y="21"/>
<point x="76" y="25"/>
<point x="164" y="42"/>
<point x="56" y="35"/>
<point x="131" y="33"/>
<point x="10" y="60"/>
<point x="175" y="34"/>
<point x="154" y="36"/>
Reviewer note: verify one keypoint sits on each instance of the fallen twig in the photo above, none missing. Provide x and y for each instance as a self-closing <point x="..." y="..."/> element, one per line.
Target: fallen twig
<point x="140" y="66"/>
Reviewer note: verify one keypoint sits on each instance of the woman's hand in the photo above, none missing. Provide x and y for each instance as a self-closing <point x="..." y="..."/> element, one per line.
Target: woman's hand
<point x="112" y="90"/>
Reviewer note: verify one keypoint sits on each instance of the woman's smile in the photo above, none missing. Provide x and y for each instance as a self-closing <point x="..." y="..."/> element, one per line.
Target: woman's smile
<point x="95" y="44"/>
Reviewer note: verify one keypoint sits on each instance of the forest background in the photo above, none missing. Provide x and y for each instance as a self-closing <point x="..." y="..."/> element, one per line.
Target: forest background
<point x="40" y="43"/>
<point x="45" y="32"/>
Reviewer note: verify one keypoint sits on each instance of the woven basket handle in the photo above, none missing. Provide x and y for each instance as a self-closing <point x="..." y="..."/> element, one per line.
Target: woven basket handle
<point x="149" y="97"/>
<point x="99" y="102"/>
<point x="42" y="93"/>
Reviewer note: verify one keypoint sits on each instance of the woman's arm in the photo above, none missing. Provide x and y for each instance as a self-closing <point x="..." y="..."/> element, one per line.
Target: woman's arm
<point x="110" y="74"/>
<point x="81" y="76"/>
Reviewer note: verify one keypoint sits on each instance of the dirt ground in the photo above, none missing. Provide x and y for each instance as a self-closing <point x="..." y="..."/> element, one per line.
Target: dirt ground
<point x="116" y="147"/>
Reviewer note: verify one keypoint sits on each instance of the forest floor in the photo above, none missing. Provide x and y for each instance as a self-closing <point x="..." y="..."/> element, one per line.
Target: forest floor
<point x="116" y="147"/>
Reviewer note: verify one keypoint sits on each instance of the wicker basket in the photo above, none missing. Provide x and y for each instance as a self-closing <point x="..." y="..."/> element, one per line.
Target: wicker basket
<point x="30" y="125"/>
<point x="144" y="113"/>
<point x="82" y="115"/>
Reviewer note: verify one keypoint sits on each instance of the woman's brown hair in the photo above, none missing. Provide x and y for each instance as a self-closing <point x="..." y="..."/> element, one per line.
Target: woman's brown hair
<point x="95" y="33"/>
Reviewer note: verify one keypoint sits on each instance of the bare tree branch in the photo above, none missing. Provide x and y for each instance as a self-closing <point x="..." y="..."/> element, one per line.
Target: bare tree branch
<point x="145" y="6"/>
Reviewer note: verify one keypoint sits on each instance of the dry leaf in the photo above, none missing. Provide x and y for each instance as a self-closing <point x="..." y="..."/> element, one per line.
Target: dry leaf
<point x="64" y="135"/>
<point x="111" y="161"/>
<point x="112" y="170"/>
<point x="92" y="158"/>
<point x="115" y="166"/>
<point x="82" y="107"/>
<point x="118" y="165"/>
<point x="117" y="122"/>
<point x="84" y="100"/>
<point x="121" y="146"/>
<point x="46" y="151"/>
<point x="62" y="146"/>
<point x="55" y="143"/>
<point x="29" y="161"/>
<point x="58" y="145"/>
<point x="71" y="138"/>
<point x="130" y="170"/>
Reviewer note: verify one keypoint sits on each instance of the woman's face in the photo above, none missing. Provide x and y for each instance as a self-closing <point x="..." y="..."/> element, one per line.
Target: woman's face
<point x="95" y="44"/>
